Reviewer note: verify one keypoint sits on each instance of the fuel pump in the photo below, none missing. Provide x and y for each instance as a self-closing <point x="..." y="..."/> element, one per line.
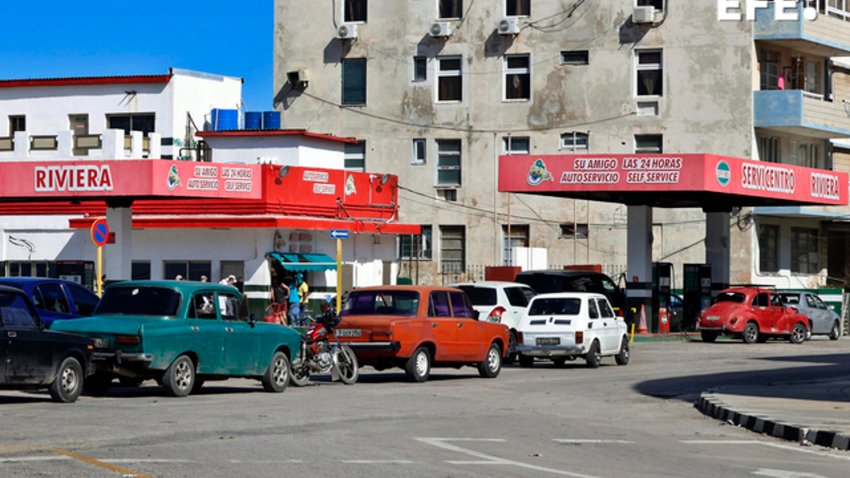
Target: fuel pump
<point x="662" y="279"/>
<point x="697" y="293"/>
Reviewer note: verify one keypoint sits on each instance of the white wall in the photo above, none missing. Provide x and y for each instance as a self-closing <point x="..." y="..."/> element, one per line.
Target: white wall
<point x="282" y="150"/>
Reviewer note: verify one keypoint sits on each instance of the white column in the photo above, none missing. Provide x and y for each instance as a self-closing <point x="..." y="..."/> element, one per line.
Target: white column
<point x="156" y="145"/>
<point x="65" y="144"/>
<point x="639" y="286"/>
<point x="136" y="141"/>
<point x="22" y="144"/>
<point x="118" y="257"/>
<point x="717" y="253"/>
<point x="113" y="144"/>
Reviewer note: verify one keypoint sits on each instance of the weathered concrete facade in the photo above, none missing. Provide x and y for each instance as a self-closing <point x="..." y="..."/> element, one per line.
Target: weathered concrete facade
<point x="710" y="70"/>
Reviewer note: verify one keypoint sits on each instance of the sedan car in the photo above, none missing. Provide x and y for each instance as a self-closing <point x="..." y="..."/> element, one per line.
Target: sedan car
<point x="822" y="319"/>
<point x="420" y="327"/>
<point x="567" y="325"/>
<point x="55" y="299"/>
<point x="182" y="334"/>
<point x="753" y="314"/>
<point x="37" y="358"/>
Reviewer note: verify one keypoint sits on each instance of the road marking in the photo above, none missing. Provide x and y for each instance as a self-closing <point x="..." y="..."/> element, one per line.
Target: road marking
<point x="23" y="459"/>
<point x="147" y="460"/>
<point x="490" y="459"/>
<point x="580" y="441"/>
<point x="378" y="462"/>
<point x="772" y="445"/>
<point x="266" y="462"/>
<point x="785" y="474"/>
<point x="101" y="464"/>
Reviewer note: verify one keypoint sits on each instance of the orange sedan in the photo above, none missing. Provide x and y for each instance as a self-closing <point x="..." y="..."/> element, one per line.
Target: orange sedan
<point x="420" y="327"/>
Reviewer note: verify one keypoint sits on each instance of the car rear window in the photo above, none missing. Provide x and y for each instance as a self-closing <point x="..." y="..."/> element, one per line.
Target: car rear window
<point x="376" y="302"/>
<point x="562" y="306"/>
<point x="791" y="299"/>
<point x="479" y="295"/>
<point x="730" y="297"/>
<point x="519" y="296"/>
<point x="154" y="301"/>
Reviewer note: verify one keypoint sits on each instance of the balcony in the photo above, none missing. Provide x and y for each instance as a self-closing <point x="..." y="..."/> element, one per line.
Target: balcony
<point x="827" y="36"/>
<point x="802" y="113"/>
<point x="112" y="144"/>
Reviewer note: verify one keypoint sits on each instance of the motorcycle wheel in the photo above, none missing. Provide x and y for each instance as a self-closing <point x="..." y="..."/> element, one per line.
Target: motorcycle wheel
<point x="347" y="365"/>
<point x="300" y="375"/>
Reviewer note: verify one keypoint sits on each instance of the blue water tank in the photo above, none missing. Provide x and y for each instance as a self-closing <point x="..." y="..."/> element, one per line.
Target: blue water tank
<point x="224" y="120"/>
<point x="253" y="120"/>
<point x="271" y="120"/>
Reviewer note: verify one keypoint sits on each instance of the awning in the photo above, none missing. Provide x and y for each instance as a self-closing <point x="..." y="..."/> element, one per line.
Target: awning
<point x="298" y="262"/>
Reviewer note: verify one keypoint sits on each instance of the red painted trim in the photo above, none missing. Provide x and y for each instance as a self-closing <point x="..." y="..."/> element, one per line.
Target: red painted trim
<point x="92" y="80"/>
<point x="275" y="132"/>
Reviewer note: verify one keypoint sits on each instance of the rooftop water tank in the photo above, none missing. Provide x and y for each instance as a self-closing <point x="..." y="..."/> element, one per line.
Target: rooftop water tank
<point x="253" y="120"/>
<point x="224" y="120"/>
<point x="271" y="120"/>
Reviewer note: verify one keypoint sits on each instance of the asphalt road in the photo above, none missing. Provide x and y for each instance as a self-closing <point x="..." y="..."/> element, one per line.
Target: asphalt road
<point x="632" y="421"/>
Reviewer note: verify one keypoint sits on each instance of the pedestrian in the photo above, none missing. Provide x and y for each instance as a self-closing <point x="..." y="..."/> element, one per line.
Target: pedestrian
<point x="204" y="278"/>
<point x="303" y="292"/>
<point x="294" y="303"/>
<point x="229" y="280"/>
<point x="178" y="277"/>
<point x="281" y="302"/>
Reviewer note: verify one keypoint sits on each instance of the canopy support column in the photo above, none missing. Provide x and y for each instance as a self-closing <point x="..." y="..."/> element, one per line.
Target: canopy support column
<point x="639" y="285"/>
<point x="119" y="256"/>
<point x="717" y="252"/>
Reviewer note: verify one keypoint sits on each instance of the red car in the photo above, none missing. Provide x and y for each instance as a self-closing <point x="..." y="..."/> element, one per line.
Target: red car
<point x="754" y="314"/>
<point x="417" y="327"/>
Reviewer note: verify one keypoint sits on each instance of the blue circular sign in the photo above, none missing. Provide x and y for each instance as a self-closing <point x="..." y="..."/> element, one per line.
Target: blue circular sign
<point x="100" y="232"/>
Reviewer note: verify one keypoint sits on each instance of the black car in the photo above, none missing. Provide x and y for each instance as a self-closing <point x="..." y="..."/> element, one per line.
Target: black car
<point x="558" y="280"/>
<point x="34" y="357"/>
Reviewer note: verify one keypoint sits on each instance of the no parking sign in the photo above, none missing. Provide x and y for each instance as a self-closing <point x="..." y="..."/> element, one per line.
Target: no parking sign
<point x="100" y="232"/>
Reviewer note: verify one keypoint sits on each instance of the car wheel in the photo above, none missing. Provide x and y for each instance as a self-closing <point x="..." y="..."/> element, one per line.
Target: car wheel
<point x="300" y="375"/>
<point x="511" y="356"/>
<point x="97" y="384"/>
<point x="708" y="336"/>
<point x="276" y="377"/>
<point x="559" y="361"/>
<point x="835" y="332"/>
<point x="798" y="333"/>
<point x="594" y="355"/>
<point x="346" y="362"/>
<point x="526" y="361"/>
<point x="492" y="364"/>
<point x="622" y="357"/>
<point x="179" y="377"/>
<point x="68" y="384"/>
<point x="418" y="367"/>
<point x="750" y="333"/>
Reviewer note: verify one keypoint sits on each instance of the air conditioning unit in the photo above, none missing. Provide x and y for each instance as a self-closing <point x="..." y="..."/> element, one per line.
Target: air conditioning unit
<point x="440" y="29"/>
<point x="509" y="26"/>
<point x="643" y="14"/>
<point x="347" y="31"/>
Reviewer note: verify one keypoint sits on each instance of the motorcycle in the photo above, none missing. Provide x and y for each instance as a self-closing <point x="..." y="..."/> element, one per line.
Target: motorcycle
<point x="321" y="353"/>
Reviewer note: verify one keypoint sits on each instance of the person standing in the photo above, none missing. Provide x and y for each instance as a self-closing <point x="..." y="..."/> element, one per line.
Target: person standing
<point x="281" y="301"/>
<point x="303" y="292"/>
<point x="294" y="303"/>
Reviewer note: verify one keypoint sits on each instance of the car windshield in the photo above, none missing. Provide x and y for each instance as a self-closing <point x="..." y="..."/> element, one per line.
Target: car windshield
<point x="479" y="295"/>
<point x="381" y="302"/>
<point x="135" y="300"/>
<point x="736" y="297"/>
<point x="790" y="299"/>
<point x="560" y="306"/>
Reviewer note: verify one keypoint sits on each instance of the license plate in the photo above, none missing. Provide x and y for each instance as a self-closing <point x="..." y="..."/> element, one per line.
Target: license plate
<point x="548" y="340"/>
<point x="347" y="332"/>
<point x="101" y="343"/>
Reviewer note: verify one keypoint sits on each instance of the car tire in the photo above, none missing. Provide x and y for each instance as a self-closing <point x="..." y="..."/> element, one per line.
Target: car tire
<point x="798" y="333"/>
<point x="708" y="336"/>
<point x="98" y="384"/>
<point x="750" y="335"/>
<point x="179" y="377"/>
<point x="347" y="366"/>
<point x="594" y="355"/>
<point x="835" y="333"/>
<point x="492" y="364"/>
<point x="68" y="384"/>
<point x="559" y="362"/>
<point x="623" y="356"/>
<point x="418" y="366"/>
<point x="276" y="377"/>
<point x="510" y="358"/>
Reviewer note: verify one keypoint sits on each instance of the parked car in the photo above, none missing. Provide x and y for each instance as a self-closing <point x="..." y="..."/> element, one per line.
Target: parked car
<point x="182" y="334"/>
<point x="557" y="280"/>
<point x="822" y="319"/>
<point x="34" y="357"/>
<point x="55" y="299"/>
<point x="567" y="325"/>
<point x="753" y="314"/>
<point x="420" y="327"/>
<point x="502" y="302"/>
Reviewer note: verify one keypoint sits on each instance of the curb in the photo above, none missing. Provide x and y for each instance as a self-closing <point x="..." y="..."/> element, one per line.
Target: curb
<point x="713" y="407"/>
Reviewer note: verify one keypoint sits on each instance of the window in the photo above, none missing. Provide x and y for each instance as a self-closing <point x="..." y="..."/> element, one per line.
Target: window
<point x="519" y="296"/>
<point x="355" y="156"/>
<point x="354" y="81"/>
<point x="17" y="123"/>
<point x="516" y="145"/>
<point x="574" y="141"/>
<point x="448" y="162"/>
<point x="769" y="148"/>
<point x="768" y="236"/>
<point x="447" y="194"/>
<point x="203" y="306"/>
<point x="768" y="69"/>
<point x="516" y="236"/>
<point x="84" y="300"/>
<point x="15" y="312"/>
<point x="804" y="251"/>
<point x="649" y="143"/>
<point x="571" y="231"/>
<point x="419" y="151"/>
<point x="189" y="270"/>
<point x="517" y="77"/>
<point x="593" y="310"/>
<point x="354" y="10"/>
<point x="449" y="79"/>
<point x="234" y="268"/>
<point x="438" y="304"/>
<point x="140" y="270"/>
<point x="412" y="246"/>
<point x="807" y="154"/>
<point x="812" y="82"/>
<point x="517" y="8"/>
<point x="460" y="306"/>
<point x="51" y="298"/>
<point x="229" y="306"/>
<point x="658" y="4"/>
<point x="452" y="249"/>
<point x="144" y="122"/>
<point x="578" y="57"/>
<point x="605" y="309"/>
<point x="450" y="9"/>
<point x="649" y="73"/>
<point x="420" y="68"/>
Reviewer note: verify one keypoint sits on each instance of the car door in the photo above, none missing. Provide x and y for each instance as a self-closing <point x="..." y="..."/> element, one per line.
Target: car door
<point x="609" y="324"/>
<point x="50" y="301"/>
<point x="595" y="326"/>
<point x="470" y="337"/>
<point x="821" y="318"/>
<point x="206" y="332"/>
<point x="29" y="360"/>
<point x="443" y="326"/>
<point x="241" y="340"/>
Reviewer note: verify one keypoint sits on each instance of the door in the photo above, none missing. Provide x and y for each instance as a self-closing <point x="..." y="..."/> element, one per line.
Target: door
<point x="470" y="338"/>
<point x="80" y="127"/>
<point x="28" y="358"/>
<point x="206" y="332"/>
<point x="443" y="327"/>
<point x="611" y="332"/>
<point x="241" y="339"/>
<point x="821" y="316"/>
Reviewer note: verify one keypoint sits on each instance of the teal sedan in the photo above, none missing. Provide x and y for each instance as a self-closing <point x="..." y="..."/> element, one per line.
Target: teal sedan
<point x="181" y="334"/>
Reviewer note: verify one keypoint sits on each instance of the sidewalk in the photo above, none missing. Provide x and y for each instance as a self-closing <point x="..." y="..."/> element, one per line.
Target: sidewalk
<point x="819" y="412"/>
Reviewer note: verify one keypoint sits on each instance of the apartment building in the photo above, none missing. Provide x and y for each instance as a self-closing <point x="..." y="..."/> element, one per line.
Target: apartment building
<point x="436" y="90"/>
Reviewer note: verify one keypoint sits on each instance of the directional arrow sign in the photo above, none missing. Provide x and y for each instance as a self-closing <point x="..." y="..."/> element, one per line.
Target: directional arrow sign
<point x="339" y="234"/>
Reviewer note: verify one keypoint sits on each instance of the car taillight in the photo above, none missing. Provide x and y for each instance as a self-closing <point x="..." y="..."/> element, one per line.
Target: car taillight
<point x="128" y="340"/>
<point x="496" y="314"/>
<point x="519" y="337"/>
<point x="579" y="337"/>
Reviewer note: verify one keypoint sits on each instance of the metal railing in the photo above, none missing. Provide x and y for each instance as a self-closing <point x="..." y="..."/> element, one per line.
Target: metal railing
<point x="839" y="9"/>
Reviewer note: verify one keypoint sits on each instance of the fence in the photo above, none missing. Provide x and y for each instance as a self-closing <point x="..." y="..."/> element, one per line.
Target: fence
<point x="475" y="272"/>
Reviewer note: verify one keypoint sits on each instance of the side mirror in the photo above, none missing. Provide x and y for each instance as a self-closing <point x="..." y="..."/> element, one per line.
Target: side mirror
<point x="252" y="319"/>
<point x="475" y="314"/>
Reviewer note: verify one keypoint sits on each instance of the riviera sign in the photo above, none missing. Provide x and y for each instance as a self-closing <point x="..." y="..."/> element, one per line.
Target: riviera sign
<point x="783" y="10"/>
<point x="89" y="177"/>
